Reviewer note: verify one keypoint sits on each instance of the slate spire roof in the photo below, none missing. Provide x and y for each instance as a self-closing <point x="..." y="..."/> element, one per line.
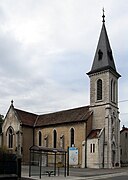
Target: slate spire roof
<point x="103" y="59"/>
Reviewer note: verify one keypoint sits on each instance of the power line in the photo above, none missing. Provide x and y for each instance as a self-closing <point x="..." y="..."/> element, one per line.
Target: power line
<point x="123" y="113"/>
<point x="123" y="101"/>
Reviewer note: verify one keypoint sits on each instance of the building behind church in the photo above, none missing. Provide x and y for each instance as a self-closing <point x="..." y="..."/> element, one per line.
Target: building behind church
<point x="124" y="146"/>
<point x="94" y="130"/>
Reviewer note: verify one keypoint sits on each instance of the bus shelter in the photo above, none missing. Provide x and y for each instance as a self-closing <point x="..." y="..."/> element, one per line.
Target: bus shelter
<point x="47" y="161"/>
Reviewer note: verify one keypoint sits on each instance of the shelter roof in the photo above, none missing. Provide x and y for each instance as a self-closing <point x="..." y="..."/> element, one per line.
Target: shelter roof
<point x="46" y="149"/>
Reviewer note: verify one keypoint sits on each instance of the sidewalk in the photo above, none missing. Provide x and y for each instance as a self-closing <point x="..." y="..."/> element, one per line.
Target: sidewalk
<point x="77" y="174"/>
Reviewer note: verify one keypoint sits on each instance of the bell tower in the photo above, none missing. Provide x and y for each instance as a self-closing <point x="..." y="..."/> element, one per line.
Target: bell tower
<point x="104" y="98"/>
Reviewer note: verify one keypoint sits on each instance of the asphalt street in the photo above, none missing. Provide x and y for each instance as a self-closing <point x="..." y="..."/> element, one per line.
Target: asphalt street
<point x="83" y="174"/>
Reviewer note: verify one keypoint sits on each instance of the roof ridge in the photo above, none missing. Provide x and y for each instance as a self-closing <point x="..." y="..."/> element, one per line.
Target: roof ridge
<point x="65" y="110"/>
<point x="61" y="117"/>
<point x="25" y="111"/>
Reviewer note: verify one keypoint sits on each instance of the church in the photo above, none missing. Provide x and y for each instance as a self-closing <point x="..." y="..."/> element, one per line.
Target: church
<point x="93" y="130"/>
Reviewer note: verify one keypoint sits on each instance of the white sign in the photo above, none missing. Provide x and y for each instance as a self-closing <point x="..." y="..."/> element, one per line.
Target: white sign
<point x="73" y="156"/>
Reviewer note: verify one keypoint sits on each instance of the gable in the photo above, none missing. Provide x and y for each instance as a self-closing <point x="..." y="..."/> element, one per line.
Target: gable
<point x="10" y="120"/>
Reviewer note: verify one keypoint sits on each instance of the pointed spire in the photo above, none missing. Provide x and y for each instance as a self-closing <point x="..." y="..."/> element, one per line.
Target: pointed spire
<point x="103" y="16"/>
<point x="103" y="59"/>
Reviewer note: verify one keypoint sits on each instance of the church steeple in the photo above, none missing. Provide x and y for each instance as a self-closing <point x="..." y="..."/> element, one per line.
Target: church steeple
<point x="104" y="102"/>
<point x="103" y="59"/>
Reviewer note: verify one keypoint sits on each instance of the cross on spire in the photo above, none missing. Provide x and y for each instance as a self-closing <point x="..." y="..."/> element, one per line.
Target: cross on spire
<point x="103" y="16"/>
<point x="12" y="102"/>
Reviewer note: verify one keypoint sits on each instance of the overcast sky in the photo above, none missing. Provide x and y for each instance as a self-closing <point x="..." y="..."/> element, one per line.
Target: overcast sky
<point x="48" y="46"/>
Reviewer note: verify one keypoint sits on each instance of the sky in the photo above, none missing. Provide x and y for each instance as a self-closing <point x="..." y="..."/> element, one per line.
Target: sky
<point x="48" y="46"/>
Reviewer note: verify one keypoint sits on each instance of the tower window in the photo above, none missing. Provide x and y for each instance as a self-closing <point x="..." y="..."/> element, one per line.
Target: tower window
<point x="99" y="89"/>
<point x="114" y="91"/>
<point x="100" y="54"/>
<point x="111" y="90"/>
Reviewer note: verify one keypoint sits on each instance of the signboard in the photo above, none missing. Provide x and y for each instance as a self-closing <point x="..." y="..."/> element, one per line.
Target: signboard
<point x="73" y="156"/>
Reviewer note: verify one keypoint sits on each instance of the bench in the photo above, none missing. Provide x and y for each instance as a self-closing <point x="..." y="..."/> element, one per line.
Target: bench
<point x="49" y="173"/>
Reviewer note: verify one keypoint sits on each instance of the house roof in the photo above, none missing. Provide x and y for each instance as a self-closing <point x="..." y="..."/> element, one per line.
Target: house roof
<point x="124" y="129"/>
<point x="66" y="116"/>
<point x="26" y="118"/>
<point x="94" y="133"/>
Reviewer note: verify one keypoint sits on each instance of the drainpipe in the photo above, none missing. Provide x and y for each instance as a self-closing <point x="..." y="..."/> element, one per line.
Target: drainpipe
<point x="86" y="145"/>
<point x="103" y="148"/>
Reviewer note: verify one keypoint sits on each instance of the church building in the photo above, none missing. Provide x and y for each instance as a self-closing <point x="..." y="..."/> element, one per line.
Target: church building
<point x="93" y="130"/>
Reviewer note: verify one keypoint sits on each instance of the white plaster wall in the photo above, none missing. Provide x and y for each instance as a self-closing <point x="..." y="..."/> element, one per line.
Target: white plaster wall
<point x="92" y="158"/>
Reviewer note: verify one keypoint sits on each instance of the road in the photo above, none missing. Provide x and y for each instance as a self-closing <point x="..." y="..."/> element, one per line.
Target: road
<point x="108" y="177"/>
<point x="85" y="174"/>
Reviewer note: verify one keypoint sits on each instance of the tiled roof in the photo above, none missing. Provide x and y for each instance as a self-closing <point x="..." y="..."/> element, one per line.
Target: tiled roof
<point x="124" y="129"/>
<point x="94" y="133"/>
<point x="66" y="116"/>
<point x="61" y="117"/>
<point x="26" y="118"/>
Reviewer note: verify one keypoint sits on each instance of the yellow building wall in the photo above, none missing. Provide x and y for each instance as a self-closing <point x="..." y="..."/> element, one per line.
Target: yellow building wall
<point x="79" y="136"/>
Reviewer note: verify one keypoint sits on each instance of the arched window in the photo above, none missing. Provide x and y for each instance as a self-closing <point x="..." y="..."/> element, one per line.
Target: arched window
<point x="72" y="137"/>
<point x="54" y="138"/>
<point x="111" y="90"/>
<point x="40" y="138"/>
<point x="114" y="92"/>
<point x="99" y="89"/>
<point x="10" y="138"/>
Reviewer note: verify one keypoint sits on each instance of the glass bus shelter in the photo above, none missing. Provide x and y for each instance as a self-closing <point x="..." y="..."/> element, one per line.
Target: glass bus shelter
<point x="47" y="161"/>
